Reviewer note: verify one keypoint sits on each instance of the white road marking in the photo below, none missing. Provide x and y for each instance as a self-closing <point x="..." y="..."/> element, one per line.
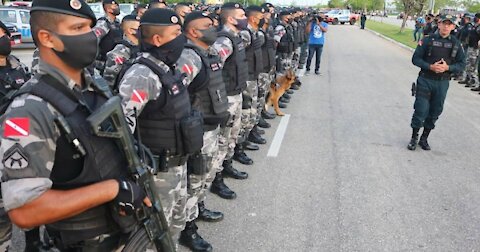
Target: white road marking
<point x="278" y="138"/>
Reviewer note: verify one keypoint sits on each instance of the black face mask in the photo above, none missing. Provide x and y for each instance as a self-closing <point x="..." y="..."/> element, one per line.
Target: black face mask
<point x="210" y="35"/>
<point x="79" y="51"/>
<point x="168" y="53"/>
<point x="116" y="12"/>
<point x="261" y="23"/>
<point x="5" y="46"/>
<point x="242" y="24"/>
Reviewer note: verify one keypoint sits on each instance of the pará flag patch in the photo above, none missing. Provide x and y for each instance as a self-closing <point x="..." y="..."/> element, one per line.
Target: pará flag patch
<point x="139" y="96"/>
<point x="187" y="69"/>
<point x="119" y="60"/>
<point x="19" y="126"/>
<point x="224" y="52"/>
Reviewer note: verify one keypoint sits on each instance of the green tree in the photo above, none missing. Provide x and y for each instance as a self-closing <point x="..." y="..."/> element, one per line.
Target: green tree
<point x="336" y="3"/>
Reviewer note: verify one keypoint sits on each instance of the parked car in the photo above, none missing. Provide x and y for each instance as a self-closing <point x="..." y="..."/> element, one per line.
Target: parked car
<point x="126" y="9"/>
<point x="341" y="16"/>
<point x="20" y="18"/>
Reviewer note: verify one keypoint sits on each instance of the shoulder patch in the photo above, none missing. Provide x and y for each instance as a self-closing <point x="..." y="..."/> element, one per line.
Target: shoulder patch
<point x="19" y="126"/>
<point x="139" y="96"/>
<point x="15" y="157"/>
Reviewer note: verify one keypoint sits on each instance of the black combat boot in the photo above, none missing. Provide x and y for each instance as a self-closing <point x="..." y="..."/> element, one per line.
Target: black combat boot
<point x="282" y="105"/>
<point x="284" y="100"/>
<point x="255" y="137"/>
<point x="219" y="188"/>
<point x="267" y="115"/>
<point x="289" y="91"/>
<point x="192" y="240"/>
<point x="240" y="155"/>
<point x="263" y="124"/>
<point x="476" y="89"/>
<point x="464" y="81"/>
<point x="470" y="83"/>
<point x="259" y="131"/>
<point x="423" y="139"/>
<point x="247" y="145"/>
<point x="208" y="215"/>
<point x="413" y="142"/>
<point x="286" y="95"/>
<point x="229" y="171"/>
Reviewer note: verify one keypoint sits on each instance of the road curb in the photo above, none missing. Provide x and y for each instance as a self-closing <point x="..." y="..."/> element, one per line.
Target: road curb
<point x="391" y="40"/>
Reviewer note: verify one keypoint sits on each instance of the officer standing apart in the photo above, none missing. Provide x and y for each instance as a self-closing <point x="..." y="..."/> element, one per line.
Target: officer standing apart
<point x="363" y="20"/>
<point x="108" y="32"/>
<point x="125" y="51"/>
<point x="231" y="49"/>
<point x="154" y="95"/>
<point x="438" y="56"/>
<point x="208" y="95"/>
<point x="41" y="165"/>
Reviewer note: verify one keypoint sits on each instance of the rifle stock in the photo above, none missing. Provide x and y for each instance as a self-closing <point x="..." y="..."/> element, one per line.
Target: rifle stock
<point x="109" y="121"/>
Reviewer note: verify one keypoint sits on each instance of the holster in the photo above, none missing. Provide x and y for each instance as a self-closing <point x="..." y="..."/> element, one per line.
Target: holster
<point x="166" y="161"/>
<point x="198" y="164"/>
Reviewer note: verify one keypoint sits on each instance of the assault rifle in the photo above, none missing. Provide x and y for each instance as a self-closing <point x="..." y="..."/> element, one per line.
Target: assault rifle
<point x="109" y="121"/>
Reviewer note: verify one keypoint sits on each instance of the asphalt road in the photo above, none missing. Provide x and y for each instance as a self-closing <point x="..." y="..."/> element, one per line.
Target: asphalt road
<point x="343" y="179"/>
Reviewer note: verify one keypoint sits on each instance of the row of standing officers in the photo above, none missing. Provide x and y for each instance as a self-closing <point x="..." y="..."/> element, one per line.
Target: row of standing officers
<point x="192" y="92"/>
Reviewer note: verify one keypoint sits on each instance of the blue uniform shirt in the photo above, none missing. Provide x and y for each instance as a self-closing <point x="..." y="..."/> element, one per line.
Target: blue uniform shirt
<point x="317" y="36"/>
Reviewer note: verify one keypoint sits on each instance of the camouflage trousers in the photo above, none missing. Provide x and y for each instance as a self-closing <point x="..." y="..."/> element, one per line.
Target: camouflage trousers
<point x="471" y="68"/>
<point x="296" y="58"/>
<point x="249" y="112"/>
<point x="227" y="137"/>
<point x="172" y="189"/>
<point x="284" y="62"/>
<point x="303" y="55"/>
<point x="198" y="184"/>
<point x="264" y="80"/>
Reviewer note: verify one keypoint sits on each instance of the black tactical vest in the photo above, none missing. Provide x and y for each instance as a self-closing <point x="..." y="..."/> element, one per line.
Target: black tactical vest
<point x="268" y="51"/>
<point x="254" y="56"/>
<point x="207" y="90"/>
<point x="11" y="79"/>
<point x="296" y="35"/>
<point x="286" y="42"/>
<point x="235" y="70"/>
<point x="474" y="37"/>
<point x="440" y="48"/>
<point x="134" y="50"/>
<point x="159" y="121"/>
<point x="113" y="37"/>
<point x="103" y="160"/>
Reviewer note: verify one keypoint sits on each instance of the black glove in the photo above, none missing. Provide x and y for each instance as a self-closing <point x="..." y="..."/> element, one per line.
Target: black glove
<point x="130" y="196"/>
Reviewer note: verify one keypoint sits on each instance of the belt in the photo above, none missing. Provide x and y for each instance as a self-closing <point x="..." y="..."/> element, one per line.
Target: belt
<point x="170" y="161"/>
<point x="433" y="76"/>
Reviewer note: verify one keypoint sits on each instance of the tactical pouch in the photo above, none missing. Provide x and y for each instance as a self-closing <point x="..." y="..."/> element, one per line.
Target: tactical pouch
<point x="197" y="164"/>
<point x="216" y="119"/>
<point x="246" y="102"/>
<point x="192" y="132"/>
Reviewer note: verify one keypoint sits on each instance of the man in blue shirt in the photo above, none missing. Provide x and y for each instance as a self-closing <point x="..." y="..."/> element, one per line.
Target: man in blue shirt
<point x="316" y="30"/>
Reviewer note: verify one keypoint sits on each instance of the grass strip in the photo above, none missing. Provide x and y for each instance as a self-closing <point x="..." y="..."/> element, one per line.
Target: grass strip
<point x="393" y="32"/>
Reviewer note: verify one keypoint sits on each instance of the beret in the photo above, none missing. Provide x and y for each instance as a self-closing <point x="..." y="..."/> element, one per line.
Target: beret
<point x="157" y="16"/>
<point x="77" y="8"/>
<point x="194" y="15"/>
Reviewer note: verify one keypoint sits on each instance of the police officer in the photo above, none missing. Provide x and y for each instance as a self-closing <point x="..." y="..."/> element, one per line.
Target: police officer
<point x="182" y="10"/>
<point x="208" y="95"/>
<point x="429" y="26"/>
<point x="125" y="51"/>
<point x="139" y="10"/>
<point x="269" y="48"/>
<point x="13" y="74"/>
<point x="465" y="31"/>
<point x="438" y="56"/>
<point x="255" y="57"/>
<point x="108" y="32"/>
<point x="471" y="79"/>
<point x="231" y="49"/>
<point x="41" y="164"/>
<point x="154" y="96"/>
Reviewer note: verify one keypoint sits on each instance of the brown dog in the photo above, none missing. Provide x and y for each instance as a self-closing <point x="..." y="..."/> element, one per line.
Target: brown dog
<point x="283" y="83"/>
